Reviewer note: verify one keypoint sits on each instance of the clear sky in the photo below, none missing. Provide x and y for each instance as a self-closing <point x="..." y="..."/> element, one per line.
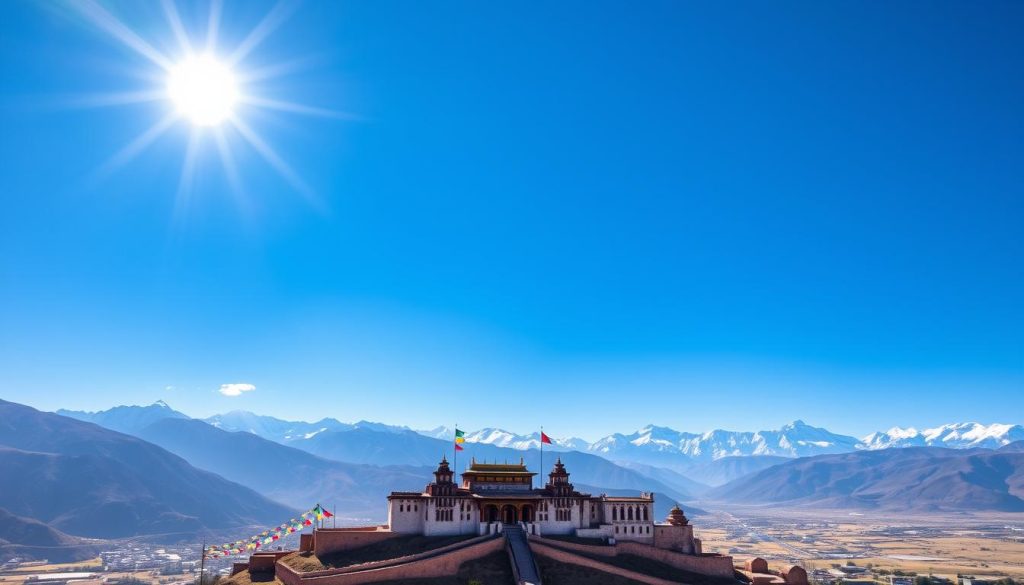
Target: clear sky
<point x="586" y="215"/>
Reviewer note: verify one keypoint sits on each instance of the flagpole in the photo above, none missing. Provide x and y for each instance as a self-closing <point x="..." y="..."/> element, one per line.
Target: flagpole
<point x="202" y="563"/>
<point x="541" y="455"/>
<point x="455" y="457"/>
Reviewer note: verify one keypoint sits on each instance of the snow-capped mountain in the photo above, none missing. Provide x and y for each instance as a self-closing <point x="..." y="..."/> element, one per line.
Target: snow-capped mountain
<point x="286" y="431"/>
<point x="955" y="436"/>
<point x="503" y="438"/>
<point x="272" y="428"/>
<point x="681" y="451"/>
<point x="664" y="446"/>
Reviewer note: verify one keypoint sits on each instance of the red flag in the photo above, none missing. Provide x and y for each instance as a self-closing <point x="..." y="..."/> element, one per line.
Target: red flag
<point x="327" y="514"/>
<point x="544" y="438"/>
<point x="458" y="447"/>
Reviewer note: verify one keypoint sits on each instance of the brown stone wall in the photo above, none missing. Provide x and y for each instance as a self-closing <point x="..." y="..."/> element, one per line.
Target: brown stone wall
<point x="592" y="549"/>
<point x="678" y="538"/>
<point x="428" y="564"/>
<point x="561" y="556"/>
<point x="714" y="565"/>
<point x="264" y="561"/>
<point x="331" y="540"/>
<point x="794" y="575"/>
<point x="756" y="565"/>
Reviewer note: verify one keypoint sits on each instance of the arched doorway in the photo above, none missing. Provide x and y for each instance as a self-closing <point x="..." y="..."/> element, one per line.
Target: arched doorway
<point x="491" y="513"/>
<point x="527" y="513"/>
<point x="508" y="514"/>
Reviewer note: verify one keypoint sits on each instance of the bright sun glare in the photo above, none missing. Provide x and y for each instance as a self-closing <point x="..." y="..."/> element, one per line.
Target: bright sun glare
<point x="203" y="90"/>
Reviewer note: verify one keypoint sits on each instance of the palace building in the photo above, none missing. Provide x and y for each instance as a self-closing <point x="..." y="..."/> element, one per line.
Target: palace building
<point x="491" y="495"/>
<point x="496" y="509"/>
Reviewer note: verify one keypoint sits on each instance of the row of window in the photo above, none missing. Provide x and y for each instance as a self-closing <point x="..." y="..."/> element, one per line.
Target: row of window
<point x="449" y="516"/>
<point x="561" y="515"/>
<point x="632" y="529"/>
<point x="408" y="508"/>
<point x="618" y="513"/>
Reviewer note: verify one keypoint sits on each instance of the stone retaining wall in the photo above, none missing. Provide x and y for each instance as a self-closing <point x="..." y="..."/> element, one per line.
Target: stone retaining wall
<point x="332" y="540"/>
<point x="561" y="556"/>
<point x="441" y="562"/>
<point x="265" y="561"/>
<point x="712" y="565"/>
<point x="705" y="564"/>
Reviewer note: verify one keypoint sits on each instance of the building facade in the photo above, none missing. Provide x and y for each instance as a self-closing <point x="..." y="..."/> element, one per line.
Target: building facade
<point x="493" y="494"/>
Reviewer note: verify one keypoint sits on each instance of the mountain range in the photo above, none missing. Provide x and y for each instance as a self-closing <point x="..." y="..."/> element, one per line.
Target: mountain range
<point x="356" y="464"/>
<point x="912" y="479"/>
<point x="685" y="462"/>
<point x="90" y="481"/>
<point x="659" y="445"/>
<point x="151" y="470"/>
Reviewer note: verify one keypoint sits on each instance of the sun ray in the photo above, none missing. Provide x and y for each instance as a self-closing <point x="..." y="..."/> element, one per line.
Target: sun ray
<point x="268" y="154"/>
<point x="203" y="91"/>
<point x="296" y="108"/>
<point x="106" y="99"/>
<point x="106" y="21"/>
<point x="228" y="162"/>
<point x="188" y="166"/>
<point x="213" y="24"/>
<point x="276" y="69"/>
<point x="277" y="15"/>
<point x="171" y="11"/>
<point x="133" y="148"/>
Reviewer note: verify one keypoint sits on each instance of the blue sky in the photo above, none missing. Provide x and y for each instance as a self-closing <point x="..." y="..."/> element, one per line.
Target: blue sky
<point x="587" y="215"/>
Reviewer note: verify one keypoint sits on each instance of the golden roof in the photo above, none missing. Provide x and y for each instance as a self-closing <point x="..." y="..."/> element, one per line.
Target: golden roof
<point x="498" y="468"/>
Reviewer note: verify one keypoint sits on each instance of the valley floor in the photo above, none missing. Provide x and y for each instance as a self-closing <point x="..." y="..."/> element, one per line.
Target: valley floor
<point x="940" y="544"/>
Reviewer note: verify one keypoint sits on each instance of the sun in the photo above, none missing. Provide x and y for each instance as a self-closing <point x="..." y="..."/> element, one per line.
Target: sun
<point x="203" y="90"/>
<point x="210" y="87"/>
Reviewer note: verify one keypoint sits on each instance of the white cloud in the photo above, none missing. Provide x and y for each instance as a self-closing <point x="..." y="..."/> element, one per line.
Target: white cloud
<point x="236" y="389"/>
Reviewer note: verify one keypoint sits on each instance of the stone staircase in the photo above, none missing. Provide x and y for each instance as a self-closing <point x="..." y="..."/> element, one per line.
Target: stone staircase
<point x="524" y="568"/>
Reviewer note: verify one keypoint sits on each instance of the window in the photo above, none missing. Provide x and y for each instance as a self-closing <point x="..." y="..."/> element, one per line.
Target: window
<point x="616" y="530"/>
<point x="401" y="508"/>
